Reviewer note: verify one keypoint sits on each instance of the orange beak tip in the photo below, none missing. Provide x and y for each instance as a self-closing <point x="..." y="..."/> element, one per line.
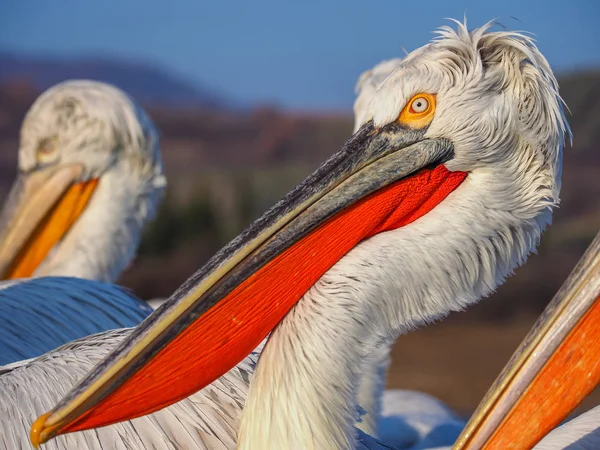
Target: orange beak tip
<point x="35" y="435"/>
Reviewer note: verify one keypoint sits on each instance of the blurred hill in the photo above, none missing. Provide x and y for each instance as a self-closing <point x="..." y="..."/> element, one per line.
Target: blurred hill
<point x="226" y="166"/>
<point x="145" y="82"/>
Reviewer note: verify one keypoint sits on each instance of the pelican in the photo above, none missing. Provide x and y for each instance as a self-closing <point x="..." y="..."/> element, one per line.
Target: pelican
<point x="90" y="177"/>
<point x="443" y="191"/>
<point x="552" y="371"/>
<point x="430" y="423"/>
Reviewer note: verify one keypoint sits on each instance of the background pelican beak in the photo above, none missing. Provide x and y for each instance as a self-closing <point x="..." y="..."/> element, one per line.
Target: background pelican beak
<point x="556" y="366"/>
<point x="379" y="180"/>
<point x="41" y="207"/>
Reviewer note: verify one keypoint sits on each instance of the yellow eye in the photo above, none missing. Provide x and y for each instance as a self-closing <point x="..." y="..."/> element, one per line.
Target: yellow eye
<point x="46" y="150"/>
<point x="419" y="111"/>
<point x="419" y="105"/>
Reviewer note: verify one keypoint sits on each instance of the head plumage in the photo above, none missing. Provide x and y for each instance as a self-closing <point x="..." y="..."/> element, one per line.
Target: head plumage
<point x="85" y="111"/>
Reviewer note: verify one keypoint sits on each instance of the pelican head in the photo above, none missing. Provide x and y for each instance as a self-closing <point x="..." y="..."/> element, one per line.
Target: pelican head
<point x="440" y="194"/>
<point x="88" y="158"/>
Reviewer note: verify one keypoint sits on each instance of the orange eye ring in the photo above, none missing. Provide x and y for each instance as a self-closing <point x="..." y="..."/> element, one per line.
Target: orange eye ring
<point x="419" y="111"/>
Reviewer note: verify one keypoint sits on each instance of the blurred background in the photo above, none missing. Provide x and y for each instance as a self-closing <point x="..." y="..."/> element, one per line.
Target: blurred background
<point x="251" y="96"/>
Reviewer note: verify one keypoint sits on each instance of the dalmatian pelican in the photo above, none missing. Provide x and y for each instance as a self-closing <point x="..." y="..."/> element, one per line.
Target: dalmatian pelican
<point x="444" y="190"/>
<point x="553" y="370"/>
<point x="433" y="423"/>
<point x="90" y="177"/>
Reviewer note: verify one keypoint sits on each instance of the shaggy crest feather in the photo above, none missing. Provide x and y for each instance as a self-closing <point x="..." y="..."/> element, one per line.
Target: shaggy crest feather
<point x="467" y="64"/>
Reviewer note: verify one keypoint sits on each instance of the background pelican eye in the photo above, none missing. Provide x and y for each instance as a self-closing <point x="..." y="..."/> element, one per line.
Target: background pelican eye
<point x="46" y="150"/>
<point x="419" y="111"/>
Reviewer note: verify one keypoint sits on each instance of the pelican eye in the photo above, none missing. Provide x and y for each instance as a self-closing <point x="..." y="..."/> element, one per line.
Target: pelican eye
<point x="419" y="105"/>
<point x="419" y="111"/>
<point x="46" y="150"/>
<point x="46" y="147"/>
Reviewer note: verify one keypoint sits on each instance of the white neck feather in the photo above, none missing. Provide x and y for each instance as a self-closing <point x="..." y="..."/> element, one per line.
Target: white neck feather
<point x="304" y="389"/>
<point x="307" y="372"/>
<point x="104" y="239"/>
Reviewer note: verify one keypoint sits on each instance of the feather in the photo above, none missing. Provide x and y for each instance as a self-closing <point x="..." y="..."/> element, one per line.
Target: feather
<point x="43" y="313"/>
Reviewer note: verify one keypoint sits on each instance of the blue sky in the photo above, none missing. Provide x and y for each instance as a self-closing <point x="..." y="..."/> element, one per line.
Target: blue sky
<point x="301" y="54"/>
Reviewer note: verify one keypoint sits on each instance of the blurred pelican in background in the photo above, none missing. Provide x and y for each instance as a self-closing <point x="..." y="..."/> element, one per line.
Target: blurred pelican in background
<point x="90" y="177"/>
<point x="443" y="191"/>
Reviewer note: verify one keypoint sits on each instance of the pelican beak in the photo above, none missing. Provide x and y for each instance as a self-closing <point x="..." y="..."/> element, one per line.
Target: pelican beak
<point x="379" y="180"/>
<point x="40" y="209"/>
<point x="554" y="369"/>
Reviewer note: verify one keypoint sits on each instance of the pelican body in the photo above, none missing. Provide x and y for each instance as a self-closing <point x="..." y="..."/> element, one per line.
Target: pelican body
<point x="26" y="387"/>
<point x="71" y="308"/>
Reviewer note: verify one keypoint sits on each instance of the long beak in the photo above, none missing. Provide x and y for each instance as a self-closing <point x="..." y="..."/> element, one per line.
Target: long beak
<point x="554" y="369"/>
<point x="40" y="209"/>
<point x="379" y="180"/>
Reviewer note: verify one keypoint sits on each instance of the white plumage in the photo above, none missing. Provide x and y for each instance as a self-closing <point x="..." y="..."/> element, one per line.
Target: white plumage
<point x="30" y="387"/>
<point x="366" y="88"/>
<point x="41" y="314"/>
<point x="400" y="418"/>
